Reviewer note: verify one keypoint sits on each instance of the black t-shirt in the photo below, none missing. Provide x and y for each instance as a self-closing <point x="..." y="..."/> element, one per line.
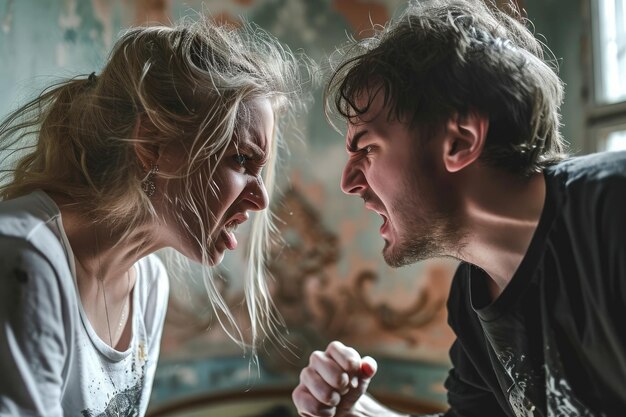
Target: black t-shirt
<point x="554" y="342"/>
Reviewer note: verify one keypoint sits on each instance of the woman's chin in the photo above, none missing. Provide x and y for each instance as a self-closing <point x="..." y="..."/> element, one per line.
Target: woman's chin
<point x="215" y="257"/>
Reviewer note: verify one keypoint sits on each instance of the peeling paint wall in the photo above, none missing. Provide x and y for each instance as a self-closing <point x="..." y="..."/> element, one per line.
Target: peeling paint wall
<point x="43" y="41"/>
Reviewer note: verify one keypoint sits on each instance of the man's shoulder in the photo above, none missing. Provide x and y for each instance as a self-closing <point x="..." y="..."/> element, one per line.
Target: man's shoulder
<point x="590" y="168"/>
<point x="583" y="185"/>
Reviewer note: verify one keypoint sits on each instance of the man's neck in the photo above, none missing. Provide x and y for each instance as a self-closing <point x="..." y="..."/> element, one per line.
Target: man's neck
<point x="502" y="212"/>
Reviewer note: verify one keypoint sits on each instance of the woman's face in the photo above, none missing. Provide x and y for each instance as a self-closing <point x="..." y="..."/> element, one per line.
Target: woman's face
<point x="223" y="201"/>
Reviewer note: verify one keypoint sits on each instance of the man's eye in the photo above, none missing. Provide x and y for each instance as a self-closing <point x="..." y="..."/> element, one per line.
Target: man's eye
<point x="367" y="149"/>
<point x="240" y="159"/>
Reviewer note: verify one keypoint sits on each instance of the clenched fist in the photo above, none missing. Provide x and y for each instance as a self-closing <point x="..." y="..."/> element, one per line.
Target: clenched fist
<point x="334" y="382"/>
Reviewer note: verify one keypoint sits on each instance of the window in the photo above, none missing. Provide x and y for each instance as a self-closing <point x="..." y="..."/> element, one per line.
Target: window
<point x="606" y="115"/>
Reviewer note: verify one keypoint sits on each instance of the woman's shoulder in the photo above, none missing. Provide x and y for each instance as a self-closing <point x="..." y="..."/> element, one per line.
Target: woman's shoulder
<point x="35" y="283"/>
<point x="30" y="220"/>
<point x="28" y="216"/>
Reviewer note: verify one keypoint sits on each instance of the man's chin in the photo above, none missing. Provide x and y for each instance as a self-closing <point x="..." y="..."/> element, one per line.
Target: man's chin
<point x="400" y="255"/>
<point x="393" y="257"/>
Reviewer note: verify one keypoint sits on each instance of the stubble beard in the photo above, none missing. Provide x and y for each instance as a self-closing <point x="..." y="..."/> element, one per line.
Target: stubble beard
<point x="427" y="231"/>
<point x="419" y="244"/>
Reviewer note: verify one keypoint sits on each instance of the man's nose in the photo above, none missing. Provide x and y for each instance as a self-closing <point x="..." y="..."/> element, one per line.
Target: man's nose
<point x="352" y="180"/>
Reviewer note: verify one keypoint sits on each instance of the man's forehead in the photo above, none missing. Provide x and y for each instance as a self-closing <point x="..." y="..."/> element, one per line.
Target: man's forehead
<point x="371" y="98"/>
<point x="368" y="108"/>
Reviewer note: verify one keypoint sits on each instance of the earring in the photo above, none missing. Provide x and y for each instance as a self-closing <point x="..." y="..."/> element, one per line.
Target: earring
<point x="147" y="185"/>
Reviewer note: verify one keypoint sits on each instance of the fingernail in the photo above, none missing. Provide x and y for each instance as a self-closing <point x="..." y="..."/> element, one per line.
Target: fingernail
<point x="354" y="382"/>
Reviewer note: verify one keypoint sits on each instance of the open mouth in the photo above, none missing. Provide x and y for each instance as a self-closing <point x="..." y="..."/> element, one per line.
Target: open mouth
<point x="231" y="226"/>
<point x="383" y="227"/>
<point x="229" y="231"/>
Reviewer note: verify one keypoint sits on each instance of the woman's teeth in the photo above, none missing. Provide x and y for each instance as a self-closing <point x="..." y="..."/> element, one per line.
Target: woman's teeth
<point x="231" y="226"/>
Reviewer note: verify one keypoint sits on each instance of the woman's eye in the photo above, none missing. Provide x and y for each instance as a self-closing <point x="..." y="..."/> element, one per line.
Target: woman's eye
<point x="368" y="149"/>
<point x="241" y="159"/>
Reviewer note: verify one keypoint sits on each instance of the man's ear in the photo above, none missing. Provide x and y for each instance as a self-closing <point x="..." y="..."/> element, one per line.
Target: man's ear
<point x="146" y="151"/>
<point x="464" y="140"/>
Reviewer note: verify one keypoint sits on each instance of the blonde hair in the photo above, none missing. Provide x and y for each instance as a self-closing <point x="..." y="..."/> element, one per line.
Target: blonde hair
<point x="194" y="81"/>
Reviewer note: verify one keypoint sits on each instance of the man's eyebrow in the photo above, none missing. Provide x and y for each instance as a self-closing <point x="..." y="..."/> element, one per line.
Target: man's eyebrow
<point x="353" y="142"/>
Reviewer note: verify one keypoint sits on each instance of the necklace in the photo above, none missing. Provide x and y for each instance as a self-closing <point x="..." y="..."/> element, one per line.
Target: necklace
<point x="125" y="306"/>
<point x="104" y="295"/>
<point x="122" y="314"/>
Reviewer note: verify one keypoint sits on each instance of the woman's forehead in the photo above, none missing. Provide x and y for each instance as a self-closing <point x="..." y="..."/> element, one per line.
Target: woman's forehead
<point x="260" y="124"/>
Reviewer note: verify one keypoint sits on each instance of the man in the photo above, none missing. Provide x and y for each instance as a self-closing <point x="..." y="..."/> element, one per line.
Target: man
<point x="453" y="138"/>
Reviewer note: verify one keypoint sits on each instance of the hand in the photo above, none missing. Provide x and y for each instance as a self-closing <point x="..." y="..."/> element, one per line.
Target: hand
<point x="334" y="382"/>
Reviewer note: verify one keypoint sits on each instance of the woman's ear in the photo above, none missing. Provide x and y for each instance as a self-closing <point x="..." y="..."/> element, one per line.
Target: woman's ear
<point x="464" y="140"/>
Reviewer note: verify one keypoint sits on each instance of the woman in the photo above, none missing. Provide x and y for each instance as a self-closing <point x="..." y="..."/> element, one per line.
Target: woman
<point x="170" y="146"/>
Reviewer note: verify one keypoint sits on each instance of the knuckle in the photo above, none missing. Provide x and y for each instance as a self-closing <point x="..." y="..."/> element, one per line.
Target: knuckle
<point x="307" y="376"/>
<point x="309" y="372"/>
<point x="353" y="356"/>
<point x="316" y="356"/>
<point x="299" y="391"/>
<point x="335" y="346"/>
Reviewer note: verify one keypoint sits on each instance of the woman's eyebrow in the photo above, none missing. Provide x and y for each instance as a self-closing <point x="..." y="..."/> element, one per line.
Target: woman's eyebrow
<point x="250" y="147"/>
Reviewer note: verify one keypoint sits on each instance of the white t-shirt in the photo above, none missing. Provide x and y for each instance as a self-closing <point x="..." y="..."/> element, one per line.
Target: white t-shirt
<point x="52" y="363"/>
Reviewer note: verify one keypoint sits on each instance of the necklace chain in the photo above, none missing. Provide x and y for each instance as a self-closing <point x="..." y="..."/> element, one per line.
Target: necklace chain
<point x="106" y="310"/>
<point x="104" y="295"/>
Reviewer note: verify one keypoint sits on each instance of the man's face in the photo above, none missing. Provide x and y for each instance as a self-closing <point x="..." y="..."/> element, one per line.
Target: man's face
<point x="398" y="175"/>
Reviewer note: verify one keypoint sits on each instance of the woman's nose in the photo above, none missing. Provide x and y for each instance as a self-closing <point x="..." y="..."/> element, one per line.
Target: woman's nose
<point x="257" y="194"/>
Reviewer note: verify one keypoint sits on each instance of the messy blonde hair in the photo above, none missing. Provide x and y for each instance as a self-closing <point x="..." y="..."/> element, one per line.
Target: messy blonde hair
<point x="192" y="83"/>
